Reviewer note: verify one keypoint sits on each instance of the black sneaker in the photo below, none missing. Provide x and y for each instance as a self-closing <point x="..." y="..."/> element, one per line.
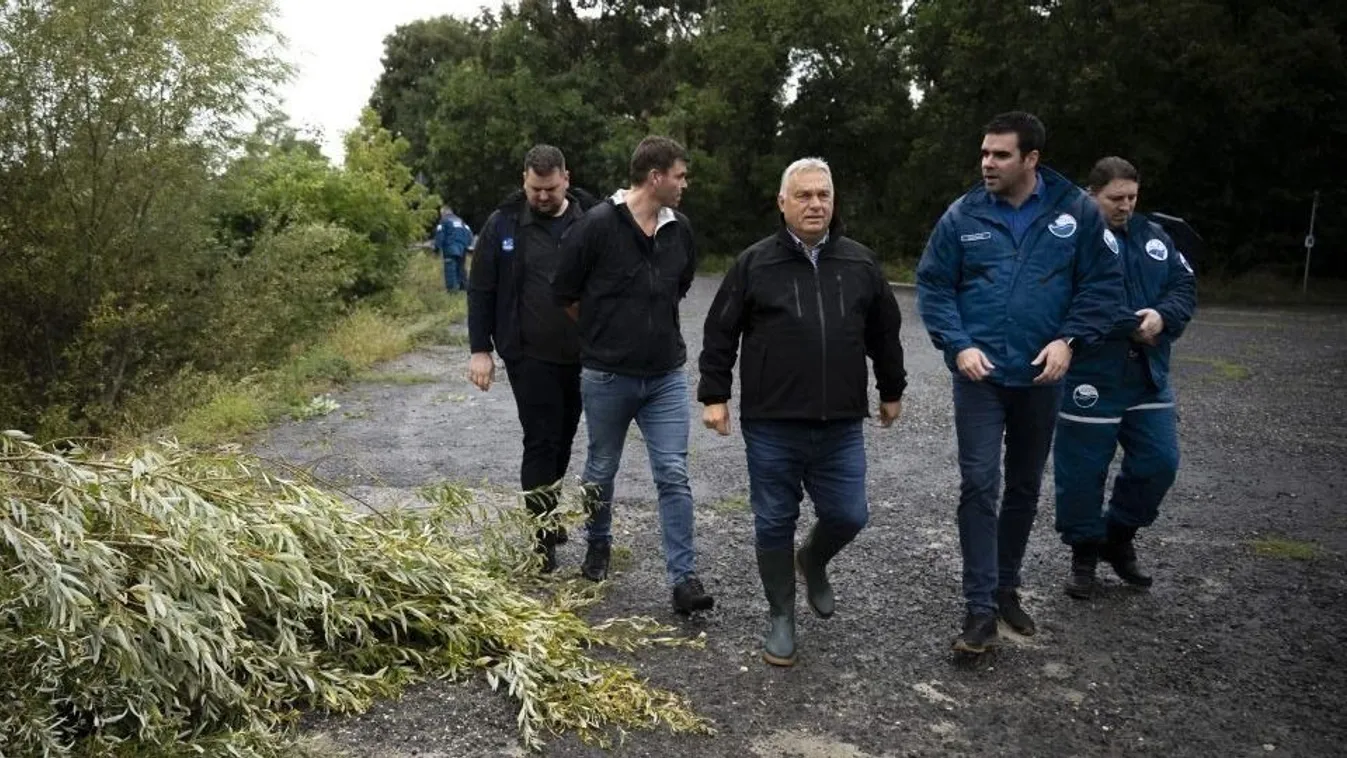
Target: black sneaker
<point x="1009" y="609"/>
<point x="595" y="566"/>
<point x="979" y="634"/>
<point x="689" y="595"/>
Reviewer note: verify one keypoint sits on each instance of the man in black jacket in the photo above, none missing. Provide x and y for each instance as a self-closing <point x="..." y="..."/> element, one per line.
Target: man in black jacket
<point x="809" y="305"/>
<point x="511" y="308"/>
<point x="625" y="266"/>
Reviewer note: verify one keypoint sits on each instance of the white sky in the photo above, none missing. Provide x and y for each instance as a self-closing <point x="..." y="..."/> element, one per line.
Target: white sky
<point x="336" y="46"/>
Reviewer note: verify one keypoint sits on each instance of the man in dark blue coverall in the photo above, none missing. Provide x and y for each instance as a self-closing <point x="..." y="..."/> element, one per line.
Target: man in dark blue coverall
<point x="452" y="240"/>
<point x="1015" y="276"/>
<point x="1118" y="393"/>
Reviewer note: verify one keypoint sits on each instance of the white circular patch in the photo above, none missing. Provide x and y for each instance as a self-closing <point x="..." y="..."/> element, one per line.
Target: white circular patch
<point x="1085" y="396"/>
<point x="1184" y="262"/>
<point x="1157" y="250"/>
<point x="1064" y="226"/>
<point x="1111" y="241"/>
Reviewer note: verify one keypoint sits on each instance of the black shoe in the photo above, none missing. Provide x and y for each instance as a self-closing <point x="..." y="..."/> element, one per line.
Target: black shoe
<point x="979" y="634"/>
<point x="1122" y="556"/>
<point x="778" y="583"/>
<point x="595" y="566"/>
<point x="1083" y="583"/>
<point x="1009" y="609"/>
<point x="689" y="595"/>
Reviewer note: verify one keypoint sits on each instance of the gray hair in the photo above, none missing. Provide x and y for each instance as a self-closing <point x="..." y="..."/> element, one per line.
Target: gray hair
<point x="804" y="164"/>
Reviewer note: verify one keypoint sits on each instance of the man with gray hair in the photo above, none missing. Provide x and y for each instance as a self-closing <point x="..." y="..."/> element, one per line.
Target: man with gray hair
<point x="808" y="305"/>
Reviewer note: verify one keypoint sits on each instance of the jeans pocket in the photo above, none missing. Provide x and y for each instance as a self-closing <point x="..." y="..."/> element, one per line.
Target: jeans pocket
<point x="596" y="377"/>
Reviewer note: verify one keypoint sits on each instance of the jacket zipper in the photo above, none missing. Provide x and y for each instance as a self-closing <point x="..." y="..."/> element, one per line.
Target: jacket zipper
<point x="841" y="300"/>
<point x="823" y="339"/>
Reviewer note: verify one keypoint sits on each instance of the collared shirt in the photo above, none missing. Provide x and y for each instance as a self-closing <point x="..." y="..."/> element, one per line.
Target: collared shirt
<point x="811" y="252"/>
<point x="1018" y="219"/>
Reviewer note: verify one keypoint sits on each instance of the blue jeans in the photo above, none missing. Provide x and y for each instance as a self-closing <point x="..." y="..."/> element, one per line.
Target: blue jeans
<point x="992" y="543"/>
<point x="659" y="406"/>
<point x="456" y="273"/>
<point x="786" y="458"/>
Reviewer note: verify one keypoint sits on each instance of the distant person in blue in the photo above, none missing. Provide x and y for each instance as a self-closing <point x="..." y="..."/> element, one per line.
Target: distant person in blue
<point x="1118" y="394"/>
<point x="1015" y="276"/>
<point x="452" y="240"/>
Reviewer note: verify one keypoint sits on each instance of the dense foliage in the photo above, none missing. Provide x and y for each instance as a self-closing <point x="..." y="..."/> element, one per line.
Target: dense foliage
<point x="145" y="247"/>
<point x="1233" y="111"/>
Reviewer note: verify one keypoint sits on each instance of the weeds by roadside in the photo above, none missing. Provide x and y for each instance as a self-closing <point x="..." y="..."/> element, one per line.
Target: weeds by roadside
<point x="419" y="310"/>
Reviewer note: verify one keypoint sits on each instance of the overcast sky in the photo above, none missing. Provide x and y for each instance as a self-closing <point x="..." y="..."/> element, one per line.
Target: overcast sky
<point x="336" y="47"/>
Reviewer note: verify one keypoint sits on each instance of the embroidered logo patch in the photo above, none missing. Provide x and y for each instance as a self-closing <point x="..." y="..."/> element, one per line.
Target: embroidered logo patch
<point x="1064" y="226"/>
<point x="975" y="237"/>
<point x="1157" y="250"/>
<point x="507" y="245"/>
<point x="1111" y="241"/>
<point x="1085" y="396"/>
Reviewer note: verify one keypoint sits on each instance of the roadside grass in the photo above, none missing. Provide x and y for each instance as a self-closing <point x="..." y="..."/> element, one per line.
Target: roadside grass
<point x="1221" y="368"/>
<point x="1268" y="288"/>
<point x="1286" y="549"/>
<point x="731" y="504"/>
<point x="418" y="311"/>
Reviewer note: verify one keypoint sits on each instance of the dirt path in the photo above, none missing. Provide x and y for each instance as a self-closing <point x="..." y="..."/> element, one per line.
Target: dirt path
<point x="1233" y="653"/>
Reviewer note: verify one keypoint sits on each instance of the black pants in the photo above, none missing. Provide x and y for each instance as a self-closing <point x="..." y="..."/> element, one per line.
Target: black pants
<point x="548" y="398"/>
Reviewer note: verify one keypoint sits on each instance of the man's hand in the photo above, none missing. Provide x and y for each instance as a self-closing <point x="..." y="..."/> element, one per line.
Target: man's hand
<point x="1055" y="360"/>
<point x="973" y="364"/>
<point x="889" y="413"/>
<point x="482" y="370"/>
<point x="717" y="416"/>
<point x="573" y="310"/>
<point x="1152" y="323"/>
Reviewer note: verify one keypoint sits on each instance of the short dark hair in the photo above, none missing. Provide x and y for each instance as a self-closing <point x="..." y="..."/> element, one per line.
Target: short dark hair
<point x="1030" y="134"/>
<point x="655" y="154"/>
<point x="544" y="159"/>
<point x="1108" y="169"/>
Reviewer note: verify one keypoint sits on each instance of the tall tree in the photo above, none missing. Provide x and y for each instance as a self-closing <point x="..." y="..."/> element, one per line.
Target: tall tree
<point x="112" y="113"/>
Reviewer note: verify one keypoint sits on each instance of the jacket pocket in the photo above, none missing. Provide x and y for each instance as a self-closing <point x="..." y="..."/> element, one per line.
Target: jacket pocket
<point x="1053" y="274"/>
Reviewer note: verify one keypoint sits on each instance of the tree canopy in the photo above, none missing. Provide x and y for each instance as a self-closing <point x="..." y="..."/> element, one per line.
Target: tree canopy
<point x="1233" y="111"/>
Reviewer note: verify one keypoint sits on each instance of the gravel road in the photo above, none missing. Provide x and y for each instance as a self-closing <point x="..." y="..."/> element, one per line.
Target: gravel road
<point x="1234" y="652"/>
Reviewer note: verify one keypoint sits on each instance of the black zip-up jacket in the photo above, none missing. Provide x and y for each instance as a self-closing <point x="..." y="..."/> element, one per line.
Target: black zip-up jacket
<point x="496" y="281"/>
<point x="628" y="286"/>
<point x="806" y="332"/>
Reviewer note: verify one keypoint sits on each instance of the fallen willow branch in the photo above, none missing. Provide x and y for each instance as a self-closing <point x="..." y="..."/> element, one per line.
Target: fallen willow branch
<point x="169" y="602"/>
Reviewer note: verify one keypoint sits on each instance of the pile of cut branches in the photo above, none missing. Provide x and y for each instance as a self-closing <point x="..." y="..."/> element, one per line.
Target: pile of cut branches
<point x="167" y="602"/>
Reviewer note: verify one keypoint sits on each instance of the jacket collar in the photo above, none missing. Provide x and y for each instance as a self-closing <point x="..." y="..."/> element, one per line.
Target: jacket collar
<point x="1053" y="186"/>
<point x="665" y="215"/>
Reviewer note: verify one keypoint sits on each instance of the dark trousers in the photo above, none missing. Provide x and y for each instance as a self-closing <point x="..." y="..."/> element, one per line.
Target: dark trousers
<point x="987" y="417"/>
<point x="788" y="458"/>
<point x="1110" y="402"/>
<point x="548" y="398"/>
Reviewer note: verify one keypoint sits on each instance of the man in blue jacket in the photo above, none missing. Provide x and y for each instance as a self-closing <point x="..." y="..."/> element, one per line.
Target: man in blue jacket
<point x="1016" y="274"/>
<point x="1117" y="393"/>
<point x="452" y="240"/>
